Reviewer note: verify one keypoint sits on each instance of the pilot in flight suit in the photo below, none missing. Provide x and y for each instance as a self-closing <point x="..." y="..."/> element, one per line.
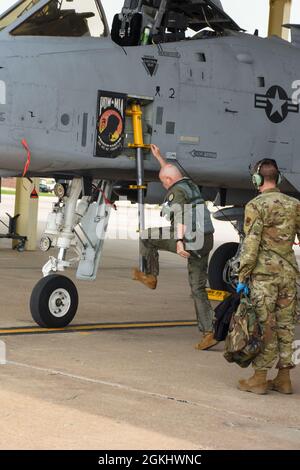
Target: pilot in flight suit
<point x="190" y="236"/>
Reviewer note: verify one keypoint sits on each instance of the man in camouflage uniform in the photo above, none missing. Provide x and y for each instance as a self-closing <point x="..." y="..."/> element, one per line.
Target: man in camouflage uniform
<point x="182" y="202"/>
<point x="272" y="220"/>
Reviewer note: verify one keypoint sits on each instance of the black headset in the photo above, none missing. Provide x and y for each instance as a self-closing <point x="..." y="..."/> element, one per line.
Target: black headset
<point x="258" y="179"/>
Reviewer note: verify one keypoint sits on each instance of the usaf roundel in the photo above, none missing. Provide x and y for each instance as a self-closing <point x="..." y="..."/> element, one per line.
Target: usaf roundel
<point x="276" y="104"/>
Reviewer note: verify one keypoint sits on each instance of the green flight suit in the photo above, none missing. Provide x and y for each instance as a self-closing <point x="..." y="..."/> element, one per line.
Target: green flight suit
<point x="180" y="206"/>
<point x="272" y="220"/>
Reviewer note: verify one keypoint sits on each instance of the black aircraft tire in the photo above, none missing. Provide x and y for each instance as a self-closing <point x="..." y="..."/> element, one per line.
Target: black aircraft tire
<point x="217" y="265"/>
<point x="54" y="301"/>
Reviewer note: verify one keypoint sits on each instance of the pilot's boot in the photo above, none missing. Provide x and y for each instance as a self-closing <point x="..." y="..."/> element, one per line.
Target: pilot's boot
<point x="147" y="279"/>
<point x="282" y="383"/>
<point x="255" y="384"/>
<point x="207" y="342"/>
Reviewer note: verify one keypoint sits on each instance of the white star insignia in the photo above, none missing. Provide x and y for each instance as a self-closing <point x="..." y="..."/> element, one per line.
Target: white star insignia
<point x="277" y="104"/>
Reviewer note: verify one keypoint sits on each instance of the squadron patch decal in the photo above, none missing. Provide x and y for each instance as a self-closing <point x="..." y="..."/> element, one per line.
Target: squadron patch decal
<point x="110" y="124"/>
<point x="150" y="64"/>
<point x="276" y="104"/>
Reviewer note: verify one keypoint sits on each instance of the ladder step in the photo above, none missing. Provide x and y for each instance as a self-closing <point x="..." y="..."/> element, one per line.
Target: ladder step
<point x="218" y="295"/>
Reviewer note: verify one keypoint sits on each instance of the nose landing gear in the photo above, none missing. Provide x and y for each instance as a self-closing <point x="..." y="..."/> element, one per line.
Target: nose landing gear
<point x="73" y="224"/>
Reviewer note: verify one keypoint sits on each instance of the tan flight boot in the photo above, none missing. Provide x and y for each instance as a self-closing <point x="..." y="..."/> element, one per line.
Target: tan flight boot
<point x="147" y="279"/>
<point x="255" y="384"/>
<point x="282" y="383"/>
<point x="207" y="342"/>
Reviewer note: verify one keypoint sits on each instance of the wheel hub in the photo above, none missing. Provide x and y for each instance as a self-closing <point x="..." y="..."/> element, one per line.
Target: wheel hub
<point x="230" y="273"/>
<point x="59" y="303"/>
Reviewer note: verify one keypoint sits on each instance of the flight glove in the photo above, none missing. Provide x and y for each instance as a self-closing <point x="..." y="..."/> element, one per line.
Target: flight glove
<point x="242" y="288"/>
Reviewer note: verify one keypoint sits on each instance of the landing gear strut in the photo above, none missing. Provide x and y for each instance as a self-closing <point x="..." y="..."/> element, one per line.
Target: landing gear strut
<point x="73" y="224"/>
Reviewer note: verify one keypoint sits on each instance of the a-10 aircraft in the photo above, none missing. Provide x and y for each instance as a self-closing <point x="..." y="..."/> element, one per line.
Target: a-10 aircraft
<point x="213" y="98"/>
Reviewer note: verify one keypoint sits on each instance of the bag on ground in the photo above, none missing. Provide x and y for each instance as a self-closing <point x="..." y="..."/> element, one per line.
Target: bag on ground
<point x="244" y="339"/>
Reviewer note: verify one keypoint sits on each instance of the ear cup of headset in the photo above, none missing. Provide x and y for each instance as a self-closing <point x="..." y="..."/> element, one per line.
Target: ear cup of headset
<point x="257" y="180"/>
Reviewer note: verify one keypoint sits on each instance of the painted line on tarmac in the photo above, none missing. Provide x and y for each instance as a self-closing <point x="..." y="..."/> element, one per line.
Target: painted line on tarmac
<point x="221" y="410"/>
<point x="32" y="330"/>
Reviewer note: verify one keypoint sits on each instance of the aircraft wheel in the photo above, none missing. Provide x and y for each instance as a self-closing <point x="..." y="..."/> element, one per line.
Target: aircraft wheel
<point x="54" y="301"/>
<point x="220" y="273"/>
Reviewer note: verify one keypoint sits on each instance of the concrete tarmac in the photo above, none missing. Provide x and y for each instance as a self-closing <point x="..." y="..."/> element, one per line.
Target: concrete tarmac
<point x="131" y="389"/>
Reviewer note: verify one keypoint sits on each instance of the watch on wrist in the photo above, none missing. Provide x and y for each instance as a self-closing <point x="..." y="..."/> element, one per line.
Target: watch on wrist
<point x="180" y="240"/>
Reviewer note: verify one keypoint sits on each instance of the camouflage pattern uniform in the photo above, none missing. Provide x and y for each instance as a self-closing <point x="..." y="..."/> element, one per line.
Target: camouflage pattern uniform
<point x="272" y="220"/>
<point x="181" y="194"/>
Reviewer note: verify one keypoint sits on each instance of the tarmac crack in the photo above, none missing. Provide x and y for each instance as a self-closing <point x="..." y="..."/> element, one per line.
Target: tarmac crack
<point x="156" y="395"/>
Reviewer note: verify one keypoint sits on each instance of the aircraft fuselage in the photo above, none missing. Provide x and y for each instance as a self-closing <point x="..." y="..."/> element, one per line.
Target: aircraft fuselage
<point x="218" y="105"/>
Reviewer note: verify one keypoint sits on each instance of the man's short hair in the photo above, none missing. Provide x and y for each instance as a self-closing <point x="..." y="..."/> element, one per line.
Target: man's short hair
<point x="268" y="168"/>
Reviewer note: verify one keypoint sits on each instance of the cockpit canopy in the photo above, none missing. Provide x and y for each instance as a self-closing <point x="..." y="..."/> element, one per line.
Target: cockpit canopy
<point x="69" y="18"/>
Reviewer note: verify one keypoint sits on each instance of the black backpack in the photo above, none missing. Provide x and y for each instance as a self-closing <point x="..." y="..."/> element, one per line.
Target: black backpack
<point x="223" y="314"/>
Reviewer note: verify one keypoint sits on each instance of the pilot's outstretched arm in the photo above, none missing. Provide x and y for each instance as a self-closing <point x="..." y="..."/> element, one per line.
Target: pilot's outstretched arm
<point x="156" y="153"/>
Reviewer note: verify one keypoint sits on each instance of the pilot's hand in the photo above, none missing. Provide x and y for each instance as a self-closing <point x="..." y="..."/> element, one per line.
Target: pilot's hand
<point x="156" y="151"/>
<point x="242" y="288"/>
<point x="181" y="251"/>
